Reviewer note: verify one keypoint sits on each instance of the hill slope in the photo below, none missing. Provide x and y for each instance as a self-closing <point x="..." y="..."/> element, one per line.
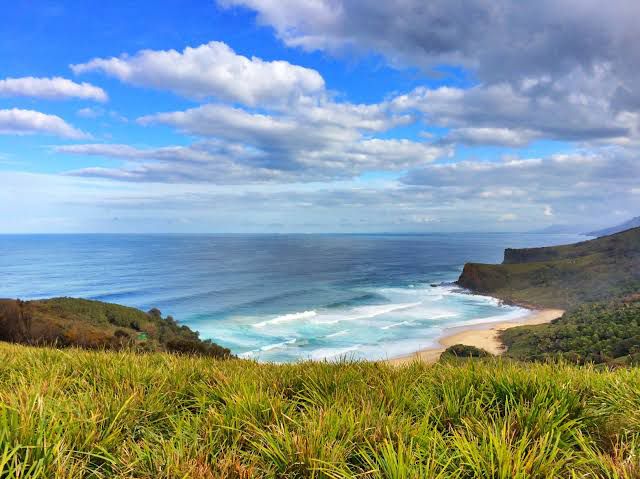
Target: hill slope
<point x="97" y="325"/>
<point x="562" y="276"/>
<point x="592" y="333"/>
<point x="632" y="223"/>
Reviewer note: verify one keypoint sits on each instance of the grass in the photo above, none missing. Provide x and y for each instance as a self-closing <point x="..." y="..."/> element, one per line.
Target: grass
<point x="86" y="414"/>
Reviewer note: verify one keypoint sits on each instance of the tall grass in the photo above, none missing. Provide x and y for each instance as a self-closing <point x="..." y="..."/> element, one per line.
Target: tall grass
<point x="79" y="414"/>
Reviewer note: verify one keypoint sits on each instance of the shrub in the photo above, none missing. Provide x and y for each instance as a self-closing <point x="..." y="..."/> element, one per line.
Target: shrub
<point x="464" y="351"/>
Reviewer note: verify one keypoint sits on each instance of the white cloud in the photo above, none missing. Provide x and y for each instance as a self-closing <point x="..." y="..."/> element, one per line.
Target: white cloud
<point x="573" y="188"/>
<point x="26" y="122"/>
<point x="508" y="217"/>
<point x="503" y="40"/>
<point x="51" y="88"/>
<point x="223" y="162"/>
<point x="509" y="115"/>
<point x="90" y="112"/>
<point x="312" y="139"/>
<point x="492" y="136"/>
<point x="212" y="70"/>
<point x="560" y="69"/>
<point x="101" y="112"/>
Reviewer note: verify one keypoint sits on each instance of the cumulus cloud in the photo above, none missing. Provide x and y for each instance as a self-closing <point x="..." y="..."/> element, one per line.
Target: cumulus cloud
<point x="575" y="185"/>
<point x="564" y="69"/>
<point x="286" y="128"/>
<point x="212" y="70"/>
<point x="27" y="122"/>
<point x="501" y="39"/>
<point x="492" y="136"/>
<point x="513" y="116"/>
<point x="224" y="162"/>
<point x="205" y="162"/>
<point x="575" y="170"/>
<point x="325" y="139"/>
<point x="51" y="89"/>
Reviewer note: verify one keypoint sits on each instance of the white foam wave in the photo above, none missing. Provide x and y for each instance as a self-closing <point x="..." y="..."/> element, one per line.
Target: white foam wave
<point x="339" y="333"/>
<point x="514" y="314"/>
<point x="333" y="353"/>
<point x="443" y="315"/>
<point x="283" y="344"/>
<point x="412" y="318"/>
<point x="364" y="312"/>
<point x="268" y="347"/>
<point x="395" y="325"/>
<point x="286" y="318"/>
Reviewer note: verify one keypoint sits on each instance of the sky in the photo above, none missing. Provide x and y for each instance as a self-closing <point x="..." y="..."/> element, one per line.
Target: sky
<point x="279" y="116"/>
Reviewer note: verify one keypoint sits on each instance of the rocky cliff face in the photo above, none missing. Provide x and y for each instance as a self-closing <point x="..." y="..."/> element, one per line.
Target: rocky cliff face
<point x="562" y="276"/>
<point x="482" y="278"/>
<point x="470" y="277"/>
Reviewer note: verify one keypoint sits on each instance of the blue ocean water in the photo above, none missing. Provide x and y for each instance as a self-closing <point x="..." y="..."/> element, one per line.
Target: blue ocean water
<point x="275" y="297"/>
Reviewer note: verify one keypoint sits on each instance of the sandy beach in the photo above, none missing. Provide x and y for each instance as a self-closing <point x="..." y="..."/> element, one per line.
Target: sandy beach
<point x="483" y="335"/>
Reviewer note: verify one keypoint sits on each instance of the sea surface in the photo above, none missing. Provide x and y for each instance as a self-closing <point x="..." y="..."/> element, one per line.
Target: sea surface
<point x="275" y="297"/>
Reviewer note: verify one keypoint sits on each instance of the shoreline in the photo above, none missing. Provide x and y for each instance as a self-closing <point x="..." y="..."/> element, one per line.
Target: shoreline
<point x="480" y="335"/>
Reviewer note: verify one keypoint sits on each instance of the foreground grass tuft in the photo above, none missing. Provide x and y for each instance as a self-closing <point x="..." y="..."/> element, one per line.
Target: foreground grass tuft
<point x="82" y="414"/>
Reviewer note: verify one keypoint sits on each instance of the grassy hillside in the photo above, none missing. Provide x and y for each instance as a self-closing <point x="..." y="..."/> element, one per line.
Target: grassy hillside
<point x="85" y="414"/>
<point x="96" y="325"/>
<point x="598" y="333"/>
<point x="562" y="276"/>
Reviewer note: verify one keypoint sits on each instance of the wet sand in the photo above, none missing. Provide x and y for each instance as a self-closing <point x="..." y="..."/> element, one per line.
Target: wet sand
<point x="483" y="335"/>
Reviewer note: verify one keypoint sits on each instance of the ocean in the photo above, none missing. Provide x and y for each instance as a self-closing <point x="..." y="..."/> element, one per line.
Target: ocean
<point x="276" y="297"/>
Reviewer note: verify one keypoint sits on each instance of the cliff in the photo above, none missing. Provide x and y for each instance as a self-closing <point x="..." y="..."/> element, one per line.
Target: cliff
<point x="562" y="276"/>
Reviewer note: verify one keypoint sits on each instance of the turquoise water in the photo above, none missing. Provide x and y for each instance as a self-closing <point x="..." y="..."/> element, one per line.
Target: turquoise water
<point x="275" y="297"/>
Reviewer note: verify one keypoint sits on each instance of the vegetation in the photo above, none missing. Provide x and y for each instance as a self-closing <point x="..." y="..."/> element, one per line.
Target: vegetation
<point x="88" y="324"/>
<point x="464" y="351"/>
<point x="90" y="414"/>
<point x="562" y="276"/>
<point x="596" y="333"/>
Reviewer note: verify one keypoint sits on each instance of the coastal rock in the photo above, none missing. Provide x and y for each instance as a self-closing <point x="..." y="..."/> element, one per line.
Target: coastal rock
<point x="561" y="276"/>
<point x="482" y="278"/>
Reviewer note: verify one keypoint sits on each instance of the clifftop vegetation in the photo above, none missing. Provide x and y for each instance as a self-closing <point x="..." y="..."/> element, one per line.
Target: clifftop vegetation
<point x="593" y="333"/>
<point x="597" y="281"/>
<point x="66" y="322"/>
<point x="562" y="276"/>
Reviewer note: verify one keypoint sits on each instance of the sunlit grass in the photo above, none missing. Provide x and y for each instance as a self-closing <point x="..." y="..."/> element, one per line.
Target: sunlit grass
<point x="75" y="414"/>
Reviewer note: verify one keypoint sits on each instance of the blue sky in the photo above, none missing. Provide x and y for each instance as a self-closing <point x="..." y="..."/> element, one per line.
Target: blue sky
<point x="317" y="116"/>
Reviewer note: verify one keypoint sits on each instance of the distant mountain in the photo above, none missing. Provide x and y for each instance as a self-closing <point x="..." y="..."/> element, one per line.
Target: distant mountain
<point x="563" y="229"/>
<point x="627" y="225"/>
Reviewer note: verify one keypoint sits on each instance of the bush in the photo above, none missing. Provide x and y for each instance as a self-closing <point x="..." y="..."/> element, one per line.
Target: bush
<point x="464" y="351"/>
<point x="598" y="333"/>
<point x="69" y="322"/>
